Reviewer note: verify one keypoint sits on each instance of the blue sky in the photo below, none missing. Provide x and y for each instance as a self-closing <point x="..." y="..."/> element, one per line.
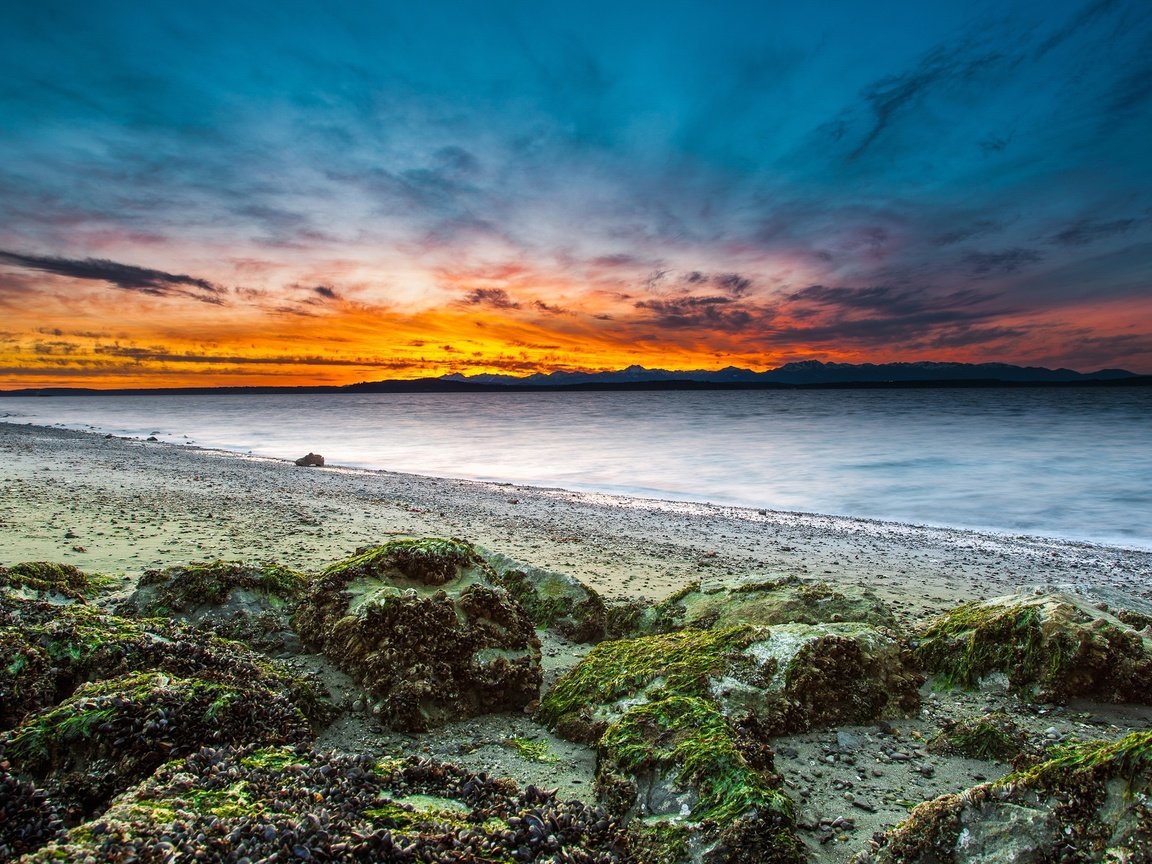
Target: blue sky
<point x="699" y="183"/>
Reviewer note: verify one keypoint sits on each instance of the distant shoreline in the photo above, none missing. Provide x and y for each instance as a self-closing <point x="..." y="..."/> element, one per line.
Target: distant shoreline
<point x="437" y="385"/>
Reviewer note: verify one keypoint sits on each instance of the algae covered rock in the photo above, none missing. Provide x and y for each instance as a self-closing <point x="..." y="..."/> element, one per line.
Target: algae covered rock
<point x="294" y="804"/>
<point x="681" y="723"/>
<point x="757" y="601"/>
<point x="1091" y="803"/>
<point x="45" y="578"/>
<point x="789" y="678"/>
<point x="553" y="600"/>
<point x="247" y="602"/>
<point x="424" y="627"/>
<point x="112" y="734"/>
<point x="993" y="736"/>
<point x="1053" y="647"/>
<point x="47" y="650"/>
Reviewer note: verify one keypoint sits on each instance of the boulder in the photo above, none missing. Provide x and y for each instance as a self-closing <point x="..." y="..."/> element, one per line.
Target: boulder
<point x="1050" y="647"/>
<point x="296" y="804"/>
<point x="312" y="460"/>
<point x="681" y="723"/>
<point x="47" y="650"/>
<point x="1089" y="804"/>
<point x="46" y="579"/>
<point x="555" y="601"/>
<point x="250" y="603"/>
<point x="786" y="679"/>
<point x="111" y="734"/>
<point x="789" y="600"/>
<point x="427" y="629"/>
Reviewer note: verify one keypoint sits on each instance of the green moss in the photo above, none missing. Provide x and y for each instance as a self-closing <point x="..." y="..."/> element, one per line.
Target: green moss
<point x="273" y="759"/>
<point x="1051" y="647"/>
<point x="533" y="751"/>
<point x="557" y="602"/>
<point x="50" y="577"/>
<point x="689" y="737"/>
<point x="429" y="560"/>
<point x="1073" y="763"/>
<point x="661" y="841"/>
<point x="187" y="587"/>
<point x="994" y="736"/>
<point x="678" y="663"/>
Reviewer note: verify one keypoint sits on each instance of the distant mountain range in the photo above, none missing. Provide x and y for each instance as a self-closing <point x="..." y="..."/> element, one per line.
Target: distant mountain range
<point x="809" y="374"/>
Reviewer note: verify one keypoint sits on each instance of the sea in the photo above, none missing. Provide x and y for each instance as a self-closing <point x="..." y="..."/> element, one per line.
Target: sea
<point x="1072" y="463"/>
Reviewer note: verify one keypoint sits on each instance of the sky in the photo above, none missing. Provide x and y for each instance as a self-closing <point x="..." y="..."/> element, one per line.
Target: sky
<point x="291" y="192"/>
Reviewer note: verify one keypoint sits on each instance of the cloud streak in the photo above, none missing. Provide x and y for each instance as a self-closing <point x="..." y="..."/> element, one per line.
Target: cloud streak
<point x="128" y="277"/>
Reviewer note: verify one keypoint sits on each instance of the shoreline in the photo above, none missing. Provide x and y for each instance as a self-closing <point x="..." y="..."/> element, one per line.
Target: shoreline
<point x="130" y="504"/>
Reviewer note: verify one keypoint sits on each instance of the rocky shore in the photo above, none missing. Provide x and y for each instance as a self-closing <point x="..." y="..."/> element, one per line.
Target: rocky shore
<point x="207" y="657"/>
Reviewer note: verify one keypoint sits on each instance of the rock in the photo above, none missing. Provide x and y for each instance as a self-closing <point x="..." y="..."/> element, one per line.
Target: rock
<point x="426" y="629"/>
<point x="312" y="460"/>
<point x="1052" y="647"/>
<point x="556" y="601"/>
<point x="765" y="602"/>
<point x="994" y="736"/>
<point x="28" y="817"/>
<point x="47" y="650"/>
<point x="250" y="603"/>
<point x="45" y="580"/>
<point x="681" y="723"/>
<point x="110" y="735"/>
<point x="1090" y="803"/>
<point x="295" y="804"/>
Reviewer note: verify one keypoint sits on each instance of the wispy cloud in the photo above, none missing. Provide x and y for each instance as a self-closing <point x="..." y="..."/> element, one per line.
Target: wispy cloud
<point x="125" y="276"/>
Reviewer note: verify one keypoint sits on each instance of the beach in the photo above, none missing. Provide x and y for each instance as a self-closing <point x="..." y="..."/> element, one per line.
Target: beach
<point x="119" y="506"/>
<point x="115" y="505"/>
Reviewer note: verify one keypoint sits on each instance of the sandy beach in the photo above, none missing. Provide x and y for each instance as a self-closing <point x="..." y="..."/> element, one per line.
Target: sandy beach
<point x="119" y="506"/>
<point x="113" y="505"/>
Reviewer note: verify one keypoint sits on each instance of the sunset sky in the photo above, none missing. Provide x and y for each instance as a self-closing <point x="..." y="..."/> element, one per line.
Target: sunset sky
<point x="322" y="193"/>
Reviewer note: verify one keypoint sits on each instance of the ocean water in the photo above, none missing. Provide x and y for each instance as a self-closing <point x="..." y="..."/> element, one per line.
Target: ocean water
<point x="1073" y="463"/>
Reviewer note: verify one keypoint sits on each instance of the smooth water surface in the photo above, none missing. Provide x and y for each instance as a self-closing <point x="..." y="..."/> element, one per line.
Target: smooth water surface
<point x="1068" y="462"/>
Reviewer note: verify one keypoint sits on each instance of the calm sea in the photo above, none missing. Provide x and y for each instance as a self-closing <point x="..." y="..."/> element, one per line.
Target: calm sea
<point x="1073" y="463"/>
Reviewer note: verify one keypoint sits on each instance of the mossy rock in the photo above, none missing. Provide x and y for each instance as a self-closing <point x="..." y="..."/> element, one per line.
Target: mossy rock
<point x="1051" y="647"/>
<point x="691" y="788"/>
<point x="552" y="600"/>
<point x="994" y="736"/>
<point x="1090" y="803"/>
<point x="47" y="650"/>
<point x="250" y="603"/>
<point x="681" y="723"/>
<point x="44" y="579"/>
<point x="111" y="734"/>
<point x="789" y="678"/>
<point x="274" y="804"/>
<point x="765" y="602"/>
<point x="424" y="627"/>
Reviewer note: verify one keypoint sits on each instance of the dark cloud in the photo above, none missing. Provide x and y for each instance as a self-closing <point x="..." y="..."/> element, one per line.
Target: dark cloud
<point x="326" y="292"/>
<point x="159" y="355"/>
<point x="710" y="312"/>
<point x="497" y="298"/>
<point x="979" y="228"/>
<point x="1087" y="231"/>
<point x="1084" y="17"/>
<point x="890" y="96"/>
<point x="550" y="309"/>
<point x="126" y="276"/>
<point x="880" y="316"/>
<point x="985" y="264"/>
<point x="733" y="283"/>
